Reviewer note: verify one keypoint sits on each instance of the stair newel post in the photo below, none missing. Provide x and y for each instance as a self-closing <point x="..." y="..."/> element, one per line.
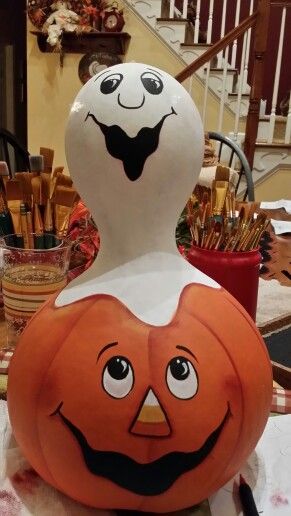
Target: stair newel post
<point x="260" y="45"/>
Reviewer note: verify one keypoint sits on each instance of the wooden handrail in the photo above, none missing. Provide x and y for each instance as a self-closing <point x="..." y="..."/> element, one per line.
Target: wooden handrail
<point x="281" y="3"/>
<point x="250" y="21"/>
<point x="260" y="46"/>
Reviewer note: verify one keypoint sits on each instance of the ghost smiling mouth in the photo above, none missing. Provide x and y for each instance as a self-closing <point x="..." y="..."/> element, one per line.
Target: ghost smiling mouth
<point x="133" y="152"/>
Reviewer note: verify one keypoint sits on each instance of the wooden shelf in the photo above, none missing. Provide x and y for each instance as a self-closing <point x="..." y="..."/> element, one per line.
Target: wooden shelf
<point x="114" y="42"/>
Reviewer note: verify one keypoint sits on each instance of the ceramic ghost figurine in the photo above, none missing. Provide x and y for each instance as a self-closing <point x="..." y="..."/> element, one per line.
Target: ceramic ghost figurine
<point x="149" y="384"/>
<point x="134" y="146"/>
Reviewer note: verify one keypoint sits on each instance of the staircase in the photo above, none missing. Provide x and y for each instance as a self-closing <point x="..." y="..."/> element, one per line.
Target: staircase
<point x="178" y="34"/>
<point x="225" y="75"/>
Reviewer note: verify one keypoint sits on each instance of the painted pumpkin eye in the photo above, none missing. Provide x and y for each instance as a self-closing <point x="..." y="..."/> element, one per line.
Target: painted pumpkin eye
<point x="182" y="378"/>
<point x="118" y="377"/>
<point x="110" y="83"/>
<point x="152" y="83"/>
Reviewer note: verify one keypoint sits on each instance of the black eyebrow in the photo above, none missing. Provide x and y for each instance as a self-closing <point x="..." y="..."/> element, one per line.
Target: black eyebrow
<point x="106" y="347"/>
<point x="155" y="71"/>
<point x="187" y="351"/>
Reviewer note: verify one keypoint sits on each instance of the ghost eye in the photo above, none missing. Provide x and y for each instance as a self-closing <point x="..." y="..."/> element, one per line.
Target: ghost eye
<point x="110" y="83"/>
<point x="118" y="377"/>
<point x="181" y="378"/>
<point x="152" y="83"/>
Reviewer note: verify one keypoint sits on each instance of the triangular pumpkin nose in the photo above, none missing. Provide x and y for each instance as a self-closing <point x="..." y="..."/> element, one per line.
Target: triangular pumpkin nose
<point x="151" y="420"/>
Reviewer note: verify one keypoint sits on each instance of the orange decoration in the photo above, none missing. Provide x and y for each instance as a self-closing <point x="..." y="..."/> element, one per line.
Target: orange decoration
<point x="117" y="413"/>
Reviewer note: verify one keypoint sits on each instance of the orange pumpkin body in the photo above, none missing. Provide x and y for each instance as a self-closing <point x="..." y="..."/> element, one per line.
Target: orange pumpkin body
<point x="117" y="413"/>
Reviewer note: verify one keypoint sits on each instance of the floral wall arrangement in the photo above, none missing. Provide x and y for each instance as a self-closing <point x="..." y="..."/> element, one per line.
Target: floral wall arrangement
<point x="79" y="16"/>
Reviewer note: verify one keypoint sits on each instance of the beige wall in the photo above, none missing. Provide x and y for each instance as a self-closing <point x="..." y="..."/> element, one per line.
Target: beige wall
<point x="276" y="186"/>
<point x="52" y="89"/>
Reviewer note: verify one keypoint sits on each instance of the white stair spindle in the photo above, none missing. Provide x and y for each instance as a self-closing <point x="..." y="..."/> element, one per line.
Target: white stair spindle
<point x="223" y="92"/>
<point x="234" y="47"/>
<point x="172" y="7"/>
<point x="246" y="68"/>
<point x="222" y="32"/>
<point x="277" y="78"/>
<point x="240" y="85"/>
<point x="206" y="90"/>
<point x="197" y="22"/>
<point x="185" y="9"/>
<point x="190" y="84"/>
<point x="288" y="124"/>
<point x="210" y="23"/>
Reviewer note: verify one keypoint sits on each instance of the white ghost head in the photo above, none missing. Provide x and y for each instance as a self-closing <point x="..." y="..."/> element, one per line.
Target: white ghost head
<point x="134" y="146"/>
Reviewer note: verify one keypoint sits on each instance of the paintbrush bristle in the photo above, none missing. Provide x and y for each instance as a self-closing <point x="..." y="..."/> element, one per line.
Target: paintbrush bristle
<point x="25" y="180"/>
<point x="36" y="163"/>
<point x="4" y="171"/>
<point x="65" y="196"/>
<point x="222" y="173"/>
<point x="57" y="170"/>
<point x="48" y="158"/>
<point x="64" y="180"/>
<point x="14" y="190"/>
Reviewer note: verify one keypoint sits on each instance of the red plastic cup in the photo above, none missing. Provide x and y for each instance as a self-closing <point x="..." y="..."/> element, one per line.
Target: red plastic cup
<point x="237" y="272"/>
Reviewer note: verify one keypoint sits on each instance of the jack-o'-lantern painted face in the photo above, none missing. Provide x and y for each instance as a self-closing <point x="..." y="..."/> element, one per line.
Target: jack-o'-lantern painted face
<point x="124" y="414"/>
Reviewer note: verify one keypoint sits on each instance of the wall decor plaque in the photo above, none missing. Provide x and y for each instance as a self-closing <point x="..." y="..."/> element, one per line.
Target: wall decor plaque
<point x="93" y="62"/>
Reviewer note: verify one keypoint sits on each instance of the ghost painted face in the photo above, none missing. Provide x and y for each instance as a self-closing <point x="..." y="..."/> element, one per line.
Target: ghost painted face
<point x="129" y="415"/>
<point x="134" y="124"/>
<point x="132" y="151"/>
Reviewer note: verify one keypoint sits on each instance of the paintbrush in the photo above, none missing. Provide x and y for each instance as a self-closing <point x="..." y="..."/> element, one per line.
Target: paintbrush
<point x="48" y="215"/>
<point x="25" y="179"/>
<point x="255" y="232"/>
<point x="48" y="158"/>
<point x="204" y="222"/>
<point x="64" y="200"/>
<point x="4" y="174"/>
<point x="36" y="167"/>
<point x="260" y="232"/>
<point x="220" y="190"/>
<point x="14" y="199"/>
<point x="57" y="171"/>
<point x="24" y="227"/>
<point x="222" y="173"/>
<point x="6" y="227"/>
<point x="63" y="180"/>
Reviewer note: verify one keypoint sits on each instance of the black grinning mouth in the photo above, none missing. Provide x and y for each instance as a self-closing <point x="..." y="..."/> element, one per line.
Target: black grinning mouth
<point x="148" y="479"/>
<point x="133" y="152"/>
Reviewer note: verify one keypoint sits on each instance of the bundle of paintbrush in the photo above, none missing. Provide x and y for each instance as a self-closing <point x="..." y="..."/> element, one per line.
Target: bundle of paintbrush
<point x="36" y="205"/>
<point x="215" y="223"/>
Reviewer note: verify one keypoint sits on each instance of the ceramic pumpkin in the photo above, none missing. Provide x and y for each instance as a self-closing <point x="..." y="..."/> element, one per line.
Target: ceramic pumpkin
<point x="123" y="414"/>
<point x="143" y="385"/>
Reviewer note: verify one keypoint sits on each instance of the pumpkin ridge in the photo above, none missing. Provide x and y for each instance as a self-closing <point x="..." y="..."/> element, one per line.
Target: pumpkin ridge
<point x="248" y="319"/>
<point x="40" y="392"/>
